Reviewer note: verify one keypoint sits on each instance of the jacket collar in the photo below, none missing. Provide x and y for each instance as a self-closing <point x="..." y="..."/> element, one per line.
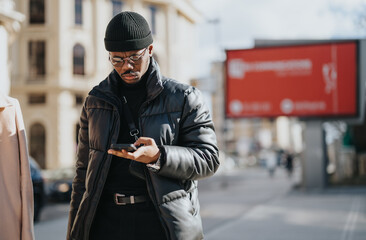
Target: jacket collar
<point x="108" y="88"/>
<point x="5" y="101"/>
<point x="154" y="83"/>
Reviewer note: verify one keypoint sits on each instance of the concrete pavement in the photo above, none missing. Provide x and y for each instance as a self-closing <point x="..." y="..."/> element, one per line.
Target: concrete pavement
<point x="246" y="204"/>
<point x="54" y="229"/>
<point x="331" y="214"/>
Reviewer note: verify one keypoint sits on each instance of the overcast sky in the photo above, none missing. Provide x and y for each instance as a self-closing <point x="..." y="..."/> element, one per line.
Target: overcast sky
<point x="239" y="22"/>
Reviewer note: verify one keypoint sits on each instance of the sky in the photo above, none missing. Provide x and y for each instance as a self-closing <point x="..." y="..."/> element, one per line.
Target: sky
<point x="234" y="24"/>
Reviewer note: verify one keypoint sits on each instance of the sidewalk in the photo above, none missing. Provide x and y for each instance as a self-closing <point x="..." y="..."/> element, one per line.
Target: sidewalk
<point x="332" y="214"/>
<point x="246" y="204"/>
<point x="51" y="230"/>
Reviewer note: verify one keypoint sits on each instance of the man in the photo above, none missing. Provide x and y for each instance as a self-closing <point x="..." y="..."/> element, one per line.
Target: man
<point x="150" y="193"/>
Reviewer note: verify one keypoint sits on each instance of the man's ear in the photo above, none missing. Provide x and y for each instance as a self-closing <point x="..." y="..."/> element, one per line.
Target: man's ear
<point x="150" y="49"/>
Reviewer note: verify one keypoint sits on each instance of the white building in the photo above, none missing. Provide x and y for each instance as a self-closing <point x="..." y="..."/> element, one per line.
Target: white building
<point x="9" y="26"/>
<point x="60" y="56"/>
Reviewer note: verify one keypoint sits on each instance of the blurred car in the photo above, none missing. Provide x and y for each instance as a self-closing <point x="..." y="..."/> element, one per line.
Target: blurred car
<point x="38" y="188"/>
<point x="59" y="184"/>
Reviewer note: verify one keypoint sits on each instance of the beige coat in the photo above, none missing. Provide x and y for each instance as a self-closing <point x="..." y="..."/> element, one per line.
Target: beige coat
<point x="16" y="191"/>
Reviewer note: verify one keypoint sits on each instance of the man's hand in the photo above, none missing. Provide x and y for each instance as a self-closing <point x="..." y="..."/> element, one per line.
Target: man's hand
<point x="148" y="152"/>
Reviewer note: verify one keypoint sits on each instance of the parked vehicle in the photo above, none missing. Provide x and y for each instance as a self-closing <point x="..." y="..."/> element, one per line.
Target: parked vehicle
<point x="60" y="190"/>
<point x="38" y="188"/>
<point x="59" y="184"/>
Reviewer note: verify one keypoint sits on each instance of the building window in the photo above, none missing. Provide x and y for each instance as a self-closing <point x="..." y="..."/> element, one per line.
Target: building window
<point x="37" y="59"/>
<point x="153" y="11"/>
<point x="78" y="60"/>
<point x="116" y="7"/>
<point x="78" y="12"/>
<point x="79" y="99"/>
<point x="36" y="12"/>
<point x="37" y="144"/>
<point x="37" y="98"/>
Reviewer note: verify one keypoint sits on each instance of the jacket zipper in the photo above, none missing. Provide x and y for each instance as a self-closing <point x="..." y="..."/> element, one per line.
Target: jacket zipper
<point x="149" y="184"/>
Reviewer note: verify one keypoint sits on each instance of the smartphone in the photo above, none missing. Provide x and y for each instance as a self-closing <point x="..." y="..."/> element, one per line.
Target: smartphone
<point x="127" y="147"/>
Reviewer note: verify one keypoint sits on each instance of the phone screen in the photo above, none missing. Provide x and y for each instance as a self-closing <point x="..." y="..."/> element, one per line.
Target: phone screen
<point x="125" y="146"/>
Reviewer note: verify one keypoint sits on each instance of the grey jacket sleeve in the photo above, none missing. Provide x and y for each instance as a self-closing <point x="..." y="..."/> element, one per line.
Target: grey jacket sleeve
<point x="196" y="155"/>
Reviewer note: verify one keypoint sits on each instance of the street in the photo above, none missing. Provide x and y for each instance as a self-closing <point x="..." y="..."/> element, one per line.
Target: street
<point x="247" y="203"/>
<point x="227" y="196"/>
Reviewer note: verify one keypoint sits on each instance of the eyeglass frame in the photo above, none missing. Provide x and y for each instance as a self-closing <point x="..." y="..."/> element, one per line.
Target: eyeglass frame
<point x="131" y="59"/>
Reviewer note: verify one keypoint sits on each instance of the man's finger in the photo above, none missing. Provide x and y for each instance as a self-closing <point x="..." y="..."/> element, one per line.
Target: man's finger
<point x="144" y="140"/>
<point x="117" y="153"/>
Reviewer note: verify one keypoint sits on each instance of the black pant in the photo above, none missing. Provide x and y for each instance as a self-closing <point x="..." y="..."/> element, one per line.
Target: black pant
<point x="128" y="222"/>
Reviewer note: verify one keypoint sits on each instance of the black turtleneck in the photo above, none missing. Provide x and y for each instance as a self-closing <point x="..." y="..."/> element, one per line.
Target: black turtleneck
<point x="119" y="178"/>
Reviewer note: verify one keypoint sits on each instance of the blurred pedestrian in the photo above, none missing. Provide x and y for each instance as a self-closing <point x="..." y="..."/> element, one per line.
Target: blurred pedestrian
<point x="289" y="165"/>
<point x="150" y="193"/>
<point x="280" y="156"/>
<point x="16" y="201"/>
<point x="271" y="162"/>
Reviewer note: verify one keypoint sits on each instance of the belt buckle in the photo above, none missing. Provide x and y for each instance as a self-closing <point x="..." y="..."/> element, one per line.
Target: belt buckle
<point x="116" y="195"/>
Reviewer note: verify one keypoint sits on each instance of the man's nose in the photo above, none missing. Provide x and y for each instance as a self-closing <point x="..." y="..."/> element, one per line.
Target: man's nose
<point x="127" y="65"/>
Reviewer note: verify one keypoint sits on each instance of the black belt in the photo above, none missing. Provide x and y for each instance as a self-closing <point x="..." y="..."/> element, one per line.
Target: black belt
<point x="121" y="199"/>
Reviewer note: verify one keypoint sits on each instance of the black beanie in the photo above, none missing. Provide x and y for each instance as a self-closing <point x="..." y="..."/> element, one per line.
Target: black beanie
<point x="127" y="31"/>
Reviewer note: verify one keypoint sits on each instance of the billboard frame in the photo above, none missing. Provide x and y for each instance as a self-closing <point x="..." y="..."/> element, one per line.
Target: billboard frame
<point x="360" y="75"/>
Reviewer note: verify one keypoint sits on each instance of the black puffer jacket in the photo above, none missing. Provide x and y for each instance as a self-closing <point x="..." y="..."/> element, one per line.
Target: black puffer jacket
<point x="175" y="116"/>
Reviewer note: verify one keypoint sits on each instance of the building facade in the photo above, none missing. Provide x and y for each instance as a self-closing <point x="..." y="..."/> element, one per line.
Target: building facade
<point x="9" y="27"/>
<point x="60" y="55"/>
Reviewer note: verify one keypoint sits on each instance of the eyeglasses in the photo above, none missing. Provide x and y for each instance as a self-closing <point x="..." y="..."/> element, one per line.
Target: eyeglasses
<point x="118" y="61"/>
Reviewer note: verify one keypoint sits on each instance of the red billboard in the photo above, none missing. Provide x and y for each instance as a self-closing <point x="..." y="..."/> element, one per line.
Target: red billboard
<point x="318" y="80"/>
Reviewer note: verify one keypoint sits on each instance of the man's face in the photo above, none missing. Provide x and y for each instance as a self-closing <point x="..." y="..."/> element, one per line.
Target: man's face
<point x="129" y="69"/>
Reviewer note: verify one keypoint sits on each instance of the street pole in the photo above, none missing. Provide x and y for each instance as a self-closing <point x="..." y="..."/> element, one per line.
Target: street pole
<point x="313" y="167"/>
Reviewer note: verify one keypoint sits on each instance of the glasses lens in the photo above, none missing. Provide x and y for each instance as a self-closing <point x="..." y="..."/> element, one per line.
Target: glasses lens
<point x="137" y="57"/>
<point x="116" y="61"/>
<point x="134" y="57"/>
